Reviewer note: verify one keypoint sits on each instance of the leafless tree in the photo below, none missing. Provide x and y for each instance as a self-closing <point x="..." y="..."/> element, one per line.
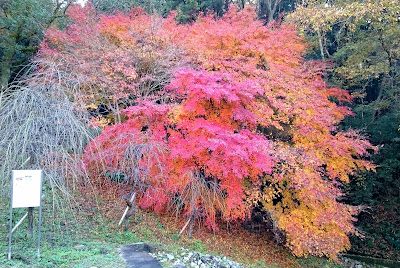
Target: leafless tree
<point x="41" y="128"/>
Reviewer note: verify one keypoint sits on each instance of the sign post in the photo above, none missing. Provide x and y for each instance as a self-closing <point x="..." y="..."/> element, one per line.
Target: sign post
<point x="26" y="191"/>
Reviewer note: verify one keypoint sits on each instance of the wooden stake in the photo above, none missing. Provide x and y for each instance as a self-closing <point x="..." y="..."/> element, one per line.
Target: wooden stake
<point x="126" y="210"/>
<point x="184" y="227"/>
<point x="19" y="223"/>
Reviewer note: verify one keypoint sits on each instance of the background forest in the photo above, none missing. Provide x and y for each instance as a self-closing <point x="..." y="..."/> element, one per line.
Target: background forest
<point x="298" y="100"/>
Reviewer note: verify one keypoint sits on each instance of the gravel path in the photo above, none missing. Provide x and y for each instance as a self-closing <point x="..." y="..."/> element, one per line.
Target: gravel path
<point x="192" y="259"/>
<point x="141" y="255"/>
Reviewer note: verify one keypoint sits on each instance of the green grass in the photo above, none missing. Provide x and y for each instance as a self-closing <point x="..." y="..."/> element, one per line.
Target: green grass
<point x="317" y="262"/>
<point x="81" y="244"/>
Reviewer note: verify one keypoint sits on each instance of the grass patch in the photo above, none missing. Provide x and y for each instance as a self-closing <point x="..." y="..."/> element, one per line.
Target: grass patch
<point x="73" y="243"/>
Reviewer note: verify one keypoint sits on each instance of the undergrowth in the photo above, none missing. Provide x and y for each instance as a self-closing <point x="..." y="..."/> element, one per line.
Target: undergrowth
<point x="81" y="237"/>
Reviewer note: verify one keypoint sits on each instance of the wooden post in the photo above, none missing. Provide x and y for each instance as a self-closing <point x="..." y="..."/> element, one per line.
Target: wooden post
<point x="191" y="227"/>
<point x="130" y="204"/>
<point x="191" y="220"/>
<point x="29" y="230"/>
<point x="184" y="227"/>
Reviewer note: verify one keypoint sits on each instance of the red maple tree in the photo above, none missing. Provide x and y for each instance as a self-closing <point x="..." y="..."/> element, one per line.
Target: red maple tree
<point x="250" y="123"/>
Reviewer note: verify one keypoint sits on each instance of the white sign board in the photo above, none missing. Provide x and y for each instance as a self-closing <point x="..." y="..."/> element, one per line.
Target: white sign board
<point x="26" y="188"/>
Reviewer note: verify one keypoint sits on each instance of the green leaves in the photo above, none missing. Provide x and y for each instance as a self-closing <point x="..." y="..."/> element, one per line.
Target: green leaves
<point x="21" y="29"/>
<point x="363" y="38"/>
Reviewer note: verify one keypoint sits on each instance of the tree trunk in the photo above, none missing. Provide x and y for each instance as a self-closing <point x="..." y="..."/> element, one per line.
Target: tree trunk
<point x="8" y="55"/>
<point x="227" y="2"/>
<point x="6" y="65"/>
<point x="266" y="9"/>
<point x="390" y="76"/>
<point x="259" y="8"/>
<point x="321" y="47"/>
<point x="270" y="13"/>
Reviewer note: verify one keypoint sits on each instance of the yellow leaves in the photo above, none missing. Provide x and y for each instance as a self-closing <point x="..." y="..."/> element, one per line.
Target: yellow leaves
<point x="269" y="194"/>
<point x="358" y="95"/>
<point x="91" y="106"/>
<point x="317" y="16"/>
<point x="175" y="114"/>
<point x="307" y="234"/>
<point x="100" y="122"/>
<point x="303" y="203"/>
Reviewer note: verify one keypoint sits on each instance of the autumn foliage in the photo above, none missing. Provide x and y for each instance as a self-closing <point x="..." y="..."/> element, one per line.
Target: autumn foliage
<point x="215" y="118"/>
